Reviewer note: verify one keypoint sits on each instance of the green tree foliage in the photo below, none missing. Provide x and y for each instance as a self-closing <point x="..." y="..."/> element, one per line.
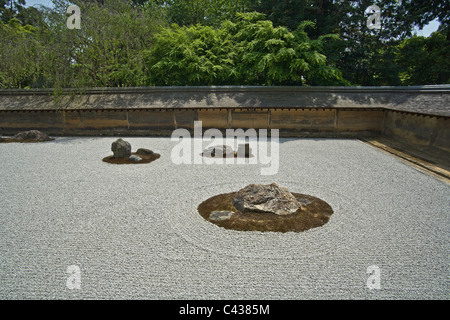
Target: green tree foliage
<point x="326" y="14"/>
<point x="204" y="12"/>
<point x="424" y="60"/>
<point x="214" y="42"/>
<point x="276" y="56"/>
<point x="15" y="9"/>
<point x="427" y="10"/>
<point x="366" y="57"/>
<point x="249" y="52"/>
<point x="107" y="51"/>
<point x="18" y="48"/>
<point x="101" y="53"/>
<point x="197" y="55"/>
<point x="9" y="9"/>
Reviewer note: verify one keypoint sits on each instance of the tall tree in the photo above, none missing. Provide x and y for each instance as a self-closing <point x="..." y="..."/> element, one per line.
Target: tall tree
<point x="9" y="9"/>
<point x="359" y="50"/>
<point x="424" y="60"/>
<point x="326" y="14"/>
<point x="18" y="49"/>
<point x="101" y="53"/>
<point x="205" y="12"/>
<point x="368" y="57"/>
<point x="427" y="10"/>
<point x="250" y="51"/>
<point x="196" y="55"/>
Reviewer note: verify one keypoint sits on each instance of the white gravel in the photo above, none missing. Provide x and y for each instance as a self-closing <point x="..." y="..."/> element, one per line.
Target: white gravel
<point x="135" y="233"/>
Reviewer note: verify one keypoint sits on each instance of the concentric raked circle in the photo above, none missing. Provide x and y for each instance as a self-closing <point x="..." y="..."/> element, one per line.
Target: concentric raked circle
<point x="189" y="225"/>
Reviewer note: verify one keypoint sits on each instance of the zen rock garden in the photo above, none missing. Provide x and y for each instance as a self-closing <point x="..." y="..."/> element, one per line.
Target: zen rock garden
<point x="28" y="136"/>
<point x="259" y="207"/>
<point x="122" y="154"/>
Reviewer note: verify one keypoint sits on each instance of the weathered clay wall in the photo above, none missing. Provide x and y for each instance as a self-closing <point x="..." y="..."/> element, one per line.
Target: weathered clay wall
<point x="418" y="115"/>
<point x="433" y="100"/>
<point x="316" y="122"/>
<point x="420" y="130"/>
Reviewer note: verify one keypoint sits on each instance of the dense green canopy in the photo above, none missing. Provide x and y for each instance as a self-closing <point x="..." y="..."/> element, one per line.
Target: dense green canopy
<point x="222" y="42"/>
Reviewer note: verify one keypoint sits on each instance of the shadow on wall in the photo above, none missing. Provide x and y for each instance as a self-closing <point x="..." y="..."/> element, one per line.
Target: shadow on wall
<point x="415" y="99"/>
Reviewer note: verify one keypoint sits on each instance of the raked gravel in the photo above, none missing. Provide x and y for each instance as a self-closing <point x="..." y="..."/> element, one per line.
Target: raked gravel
<point x="134" y="230"/>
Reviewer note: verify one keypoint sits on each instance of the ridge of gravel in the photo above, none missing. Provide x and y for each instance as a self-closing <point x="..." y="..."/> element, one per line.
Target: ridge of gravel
<point x="135" y="233"/>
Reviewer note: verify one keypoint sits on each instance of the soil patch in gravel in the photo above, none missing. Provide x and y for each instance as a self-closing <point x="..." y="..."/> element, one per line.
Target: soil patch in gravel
<point x="146" y="158"/>
<point x="316" y="213"/>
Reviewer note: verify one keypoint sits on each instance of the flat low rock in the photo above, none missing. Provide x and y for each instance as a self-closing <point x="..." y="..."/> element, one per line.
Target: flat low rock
<point x="143" y="151"/>
<point x="304" y="201"/>
<point x="220" y="215"/>
<point x="135" y="158"/>
<point x="266" y="199"/>
<point x="222" y="151"/>
<point x="31" y="135"/>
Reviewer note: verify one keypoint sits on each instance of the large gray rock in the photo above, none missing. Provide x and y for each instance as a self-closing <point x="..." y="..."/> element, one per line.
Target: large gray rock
<point x="121" y="148"/>
<point x="32" y="135"/>
<point x="266" y="199"/>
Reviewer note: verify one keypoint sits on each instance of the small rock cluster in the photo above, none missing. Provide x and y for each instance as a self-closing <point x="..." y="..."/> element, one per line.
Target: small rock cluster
<point x="122" y="149"/>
